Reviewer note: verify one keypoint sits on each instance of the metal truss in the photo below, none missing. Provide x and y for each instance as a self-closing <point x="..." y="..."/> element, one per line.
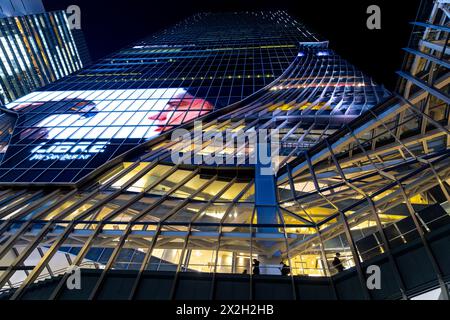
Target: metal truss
<point x="357" y="163"/>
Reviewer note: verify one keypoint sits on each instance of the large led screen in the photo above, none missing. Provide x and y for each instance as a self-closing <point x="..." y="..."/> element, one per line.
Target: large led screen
<point x="61" y="135"/>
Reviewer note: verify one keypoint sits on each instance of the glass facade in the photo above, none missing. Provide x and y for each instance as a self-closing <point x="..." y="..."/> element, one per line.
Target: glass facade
<point x="170" y="78"/>
<point x="35" y="50"/>
<point x="360" y="171"/>
<point x="10" y="8"/>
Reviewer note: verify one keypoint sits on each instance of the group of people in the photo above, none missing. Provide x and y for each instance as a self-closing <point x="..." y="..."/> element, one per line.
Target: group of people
<point x="286" y="270"/>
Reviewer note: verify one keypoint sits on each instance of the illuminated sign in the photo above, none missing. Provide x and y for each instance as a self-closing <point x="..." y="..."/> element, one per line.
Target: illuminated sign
<point x="65" y="134"/>
<point x="107" y="114"/>
<point x="67" y="150"/>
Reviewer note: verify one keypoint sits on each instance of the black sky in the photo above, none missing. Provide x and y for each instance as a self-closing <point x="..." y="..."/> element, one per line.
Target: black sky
<point x="110" y="25"/>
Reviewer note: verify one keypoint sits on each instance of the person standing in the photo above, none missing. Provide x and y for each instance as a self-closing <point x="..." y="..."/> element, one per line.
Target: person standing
<point x="255" y="266"/>
<point x="337" y="264"/>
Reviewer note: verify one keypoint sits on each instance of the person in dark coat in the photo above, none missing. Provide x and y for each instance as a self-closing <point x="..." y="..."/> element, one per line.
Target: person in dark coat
<point x="255" y="266"/>
<point x="337" y="264"/>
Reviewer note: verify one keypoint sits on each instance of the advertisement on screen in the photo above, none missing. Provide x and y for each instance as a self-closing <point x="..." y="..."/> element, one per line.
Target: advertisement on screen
<point x="86" y="128"/>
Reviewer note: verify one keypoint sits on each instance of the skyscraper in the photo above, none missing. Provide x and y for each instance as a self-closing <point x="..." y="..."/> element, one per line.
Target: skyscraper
<point x="146" y="170"/>
<point x="36" y="48"/>
<point x="13" y="8"/>
<point x="198" y="66"/>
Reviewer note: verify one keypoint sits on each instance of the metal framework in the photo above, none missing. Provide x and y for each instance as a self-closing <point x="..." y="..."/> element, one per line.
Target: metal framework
<point x="361" y="172"/>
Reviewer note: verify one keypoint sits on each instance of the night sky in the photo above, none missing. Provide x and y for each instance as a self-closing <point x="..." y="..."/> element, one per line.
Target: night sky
<point x="110" y="25"/>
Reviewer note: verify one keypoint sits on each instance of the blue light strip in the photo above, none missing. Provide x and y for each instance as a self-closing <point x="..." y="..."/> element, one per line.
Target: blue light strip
<point x="443" y="63"/>
<point x="432" y="26"/>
